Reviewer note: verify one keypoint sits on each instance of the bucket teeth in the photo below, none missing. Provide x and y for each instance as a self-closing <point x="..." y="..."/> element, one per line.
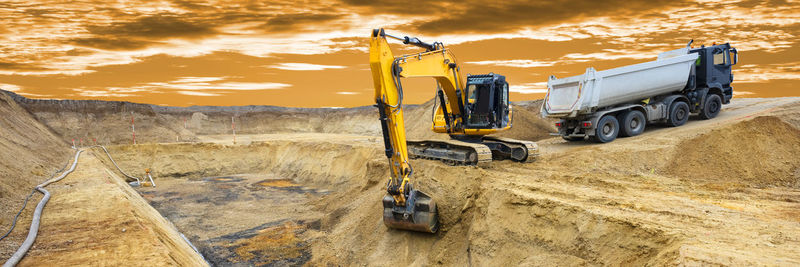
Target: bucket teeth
<point x="419" y="214"/>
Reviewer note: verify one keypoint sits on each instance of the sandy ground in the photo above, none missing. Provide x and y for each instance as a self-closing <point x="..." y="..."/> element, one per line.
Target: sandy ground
<point x="717" y="192"/>
<point x="95" y="218"/>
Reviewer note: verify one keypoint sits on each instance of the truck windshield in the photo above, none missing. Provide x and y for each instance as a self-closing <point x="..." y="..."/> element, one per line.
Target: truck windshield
<point x="719" y="58"/>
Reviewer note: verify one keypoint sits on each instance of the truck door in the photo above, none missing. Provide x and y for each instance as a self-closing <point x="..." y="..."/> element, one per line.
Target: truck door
<point x="721" y="69"/>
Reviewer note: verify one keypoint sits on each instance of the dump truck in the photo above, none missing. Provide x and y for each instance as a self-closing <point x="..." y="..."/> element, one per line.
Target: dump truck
<point x="601" y="105"/>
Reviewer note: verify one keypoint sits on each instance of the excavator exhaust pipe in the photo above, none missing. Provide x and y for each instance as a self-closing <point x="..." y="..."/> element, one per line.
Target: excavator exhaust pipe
<point x="419" y="214"/>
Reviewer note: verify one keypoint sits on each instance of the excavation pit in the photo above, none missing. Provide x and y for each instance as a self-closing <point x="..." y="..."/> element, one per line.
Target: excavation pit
<point x="241" y="219"/>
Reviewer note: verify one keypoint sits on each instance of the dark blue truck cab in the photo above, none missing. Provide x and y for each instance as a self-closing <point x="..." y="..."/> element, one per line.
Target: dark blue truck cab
<point x="711" y="78"/>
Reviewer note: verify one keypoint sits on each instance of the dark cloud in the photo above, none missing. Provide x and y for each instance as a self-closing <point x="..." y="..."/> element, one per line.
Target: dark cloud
<point x="451" y="16"/>
<point x="192" y="5"/>
<point x="769" y="3"/>
<point x="19" y="66"/>
<point x="510" y="16"/>
<point x="79" y="52"/>
<point x="409" y="7"/>
<point x="155" y="26"/>
<point x="293" y="21"/>
<point x="112" y="43"/>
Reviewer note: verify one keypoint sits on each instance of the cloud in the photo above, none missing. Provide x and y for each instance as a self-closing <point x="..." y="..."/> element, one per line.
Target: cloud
<point x="213" y="83"/>
<point x="752" y="73"/>
<point x="190" y="85"/>
<point x="476" y="16"/>
<point x="107" y="92"/>
<point x="347" y="93"/>
<point x="304" y="66"/>
<point x="10" y="87"/>
<point x="96" y="40"/>
<point x="611" y="54"/>
<point x="195" y="93"/>
<point x="515" y="63"/>
<point x="529" y="88"/>
<point x="163" y="25"/>
<point x="287" y="22"/>
<point x="112" y="43"/>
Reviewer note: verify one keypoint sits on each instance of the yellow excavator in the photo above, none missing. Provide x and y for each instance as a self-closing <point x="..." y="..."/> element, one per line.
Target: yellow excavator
<point x="468" y="110"/>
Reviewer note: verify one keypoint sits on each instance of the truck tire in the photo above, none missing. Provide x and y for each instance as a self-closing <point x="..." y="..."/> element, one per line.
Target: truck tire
<point x="632" y="123"/>
<point x="678" y="114"/>
<point x="711" y="107"/>
<point x="607" y="129"/>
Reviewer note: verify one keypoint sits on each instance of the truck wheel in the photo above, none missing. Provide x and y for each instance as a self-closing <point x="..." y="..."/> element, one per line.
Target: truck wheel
<point x="607" y="129"/>
<point x="711" y="107"/>
<point x="678" y="114"/>
<point x="633" y="123"/>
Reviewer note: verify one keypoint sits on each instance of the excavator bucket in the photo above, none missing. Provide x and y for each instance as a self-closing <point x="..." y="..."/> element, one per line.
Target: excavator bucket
<point x="419" y="214"/>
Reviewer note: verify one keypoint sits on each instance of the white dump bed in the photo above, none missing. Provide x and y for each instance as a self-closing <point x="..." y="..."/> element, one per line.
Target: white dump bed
<point x="577" y="95"/>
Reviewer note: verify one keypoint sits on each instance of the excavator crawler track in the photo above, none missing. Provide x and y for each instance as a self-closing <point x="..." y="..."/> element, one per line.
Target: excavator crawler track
<point x="451" y="151"/>
<point x="516" y="150"/>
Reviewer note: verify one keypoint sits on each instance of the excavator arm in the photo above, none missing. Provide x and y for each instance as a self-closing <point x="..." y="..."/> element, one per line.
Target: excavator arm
<point x="404" y="207"/>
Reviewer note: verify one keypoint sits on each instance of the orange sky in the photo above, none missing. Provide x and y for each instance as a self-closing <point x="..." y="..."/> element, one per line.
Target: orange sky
<point x="314" y="53"/>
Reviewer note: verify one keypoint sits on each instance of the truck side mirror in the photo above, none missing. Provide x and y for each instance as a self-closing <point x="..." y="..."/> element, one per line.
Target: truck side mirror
<point x="735" y="56"/>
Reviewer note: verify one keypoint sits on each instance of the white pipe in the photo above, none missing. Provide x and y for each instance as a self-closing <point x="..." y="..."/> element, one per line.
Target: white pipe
<point x="115" y="163"/>
<point x="37" y="216"/>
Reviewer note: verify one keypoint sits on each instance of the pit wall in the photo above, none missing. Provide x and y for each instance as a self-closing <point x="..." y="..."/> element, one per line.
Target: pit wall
<point x="320" y="164"/>
<point x="484" y="221"/>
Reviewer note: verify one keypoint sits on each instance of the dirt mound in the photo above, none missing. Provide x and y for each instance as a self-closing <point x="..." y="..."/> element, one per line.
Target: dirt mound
<point x="759" y="152"/>
<point x="30" y="153"/>
<point x="526" y="124"/>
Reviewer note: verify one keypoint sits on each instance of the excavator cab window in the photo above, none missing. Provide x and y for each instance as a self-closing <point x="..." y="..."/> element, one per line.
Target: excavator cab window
<point x="487" y="101"/>
<point x="472" y="96"/>
<point x="504" y="105"/>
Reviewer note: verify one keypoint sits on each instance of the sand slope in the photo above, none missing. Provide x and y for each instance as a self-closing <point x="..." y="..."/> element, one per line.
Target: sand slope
<point x="30" y="153"/>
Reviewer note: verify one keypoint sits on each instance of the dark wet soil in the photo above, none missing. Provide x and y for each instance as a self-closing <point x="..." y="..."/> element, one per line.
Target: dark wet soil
<point x="240" y="220"/>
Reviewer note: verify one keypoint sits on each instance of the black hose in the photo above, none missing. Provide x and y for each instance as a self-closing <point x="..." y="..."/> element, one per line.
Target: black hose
<point x="14" y="223"/>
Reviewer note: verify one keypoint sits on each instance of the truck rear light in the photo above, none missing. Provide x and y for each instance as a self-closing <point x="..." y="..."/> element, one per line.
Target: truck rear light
<point x="558" y="124"/>
<point x="586" y="124"/>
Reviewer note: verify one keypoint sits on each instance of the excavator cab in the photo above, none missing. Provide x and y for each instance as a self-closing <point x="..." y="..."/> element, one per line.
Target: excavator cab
<point x="487" y="104"/>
